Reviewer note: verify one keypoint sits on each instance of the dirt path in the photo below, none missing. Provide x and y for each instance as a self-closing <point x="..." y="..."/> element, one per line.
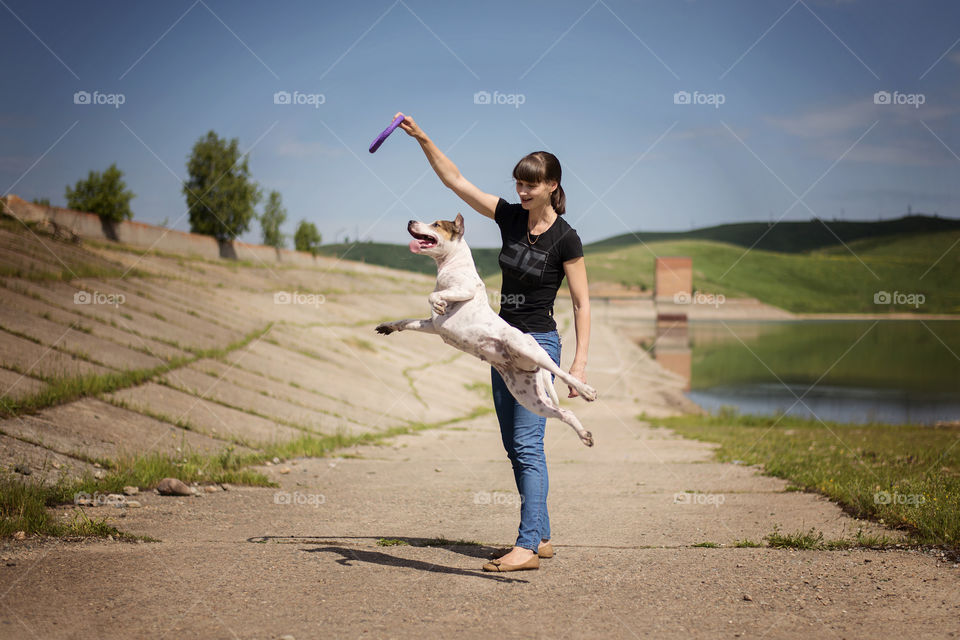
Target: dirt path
<point x="304" y="560"/>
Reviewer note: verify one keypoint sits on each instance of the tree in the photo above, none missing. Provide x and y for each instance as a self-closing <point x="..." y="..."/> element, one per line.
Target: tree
<point x="307" y="238"/>
<point x="273" y="216"/>
<point x="43" y="202"/>
<point x="102" y="193"/>
<point x="220" y="194"/>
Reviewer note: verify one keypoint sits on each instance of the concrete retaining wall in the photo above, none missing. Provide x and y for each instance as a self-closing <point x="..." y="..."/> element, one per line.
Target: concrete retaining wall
<point x="148" y="236"/>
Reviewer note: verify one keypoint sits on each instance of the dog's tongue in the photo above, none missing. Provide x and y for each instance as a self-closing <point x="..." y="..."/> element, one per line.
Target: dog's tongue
<point x="415" y="245"/>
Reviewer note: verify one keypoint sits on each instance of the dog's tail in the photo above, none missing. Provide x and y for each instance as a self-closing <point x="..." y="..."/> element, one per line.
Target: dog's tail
<point x="548" y="385"/>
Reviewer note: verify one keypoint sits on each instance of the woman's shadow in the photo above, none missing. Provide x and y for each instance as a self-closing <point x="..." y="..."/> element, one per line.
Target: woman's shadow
<point x="350" y="555"/>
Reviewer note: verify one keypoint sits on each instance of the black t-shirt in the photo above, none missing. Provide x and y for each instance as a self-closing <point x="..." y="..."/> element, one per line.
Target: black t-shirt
<point x="532" y="273"/>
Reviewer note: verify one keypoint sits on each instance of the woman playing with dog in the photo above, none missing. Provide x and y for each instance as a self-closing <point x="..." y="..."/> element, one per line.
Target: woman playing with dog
<point x="539" y="249"/>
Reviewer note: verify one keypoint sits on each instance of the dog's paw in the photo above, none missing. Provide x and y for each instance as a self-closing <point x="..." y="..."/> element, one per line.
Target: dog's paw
<point x="385" y="328"/>
<point x="440" y="307"/>
<point x="587" y="438"/>
<point x="589" y="393"/>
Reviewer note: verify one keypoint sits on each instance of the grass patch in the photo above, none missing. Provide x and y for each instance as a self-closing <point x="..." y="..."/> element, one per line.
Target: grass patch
<point x="24" y="504"/>
<point x="63" y="390"/>
<point x="746" y="544"/>
<point x="444" y="542"/>
<point x="23" y="507"/>
<point x="813" y="540"/>
<point x="904" y="476"/>
<point x="707" y="545"/>
<point x="800" y="540"/>
<point x="391" y="542"/>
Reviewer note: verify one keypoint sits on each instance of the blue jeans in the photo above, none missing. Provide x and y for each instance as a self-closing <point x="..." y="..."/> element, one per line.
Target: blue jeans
<point x="522" y="433"/>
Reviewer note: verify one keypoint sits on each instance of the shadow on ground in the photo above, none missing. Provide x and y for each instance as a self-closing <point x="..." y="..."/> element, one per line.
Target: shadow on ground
<point x="350" y="554"/>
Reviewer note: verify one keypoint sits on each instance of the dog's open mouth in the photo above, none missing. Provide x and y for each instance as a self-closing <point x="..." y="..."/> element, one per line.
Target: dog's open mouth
<point x="421" y="241"/>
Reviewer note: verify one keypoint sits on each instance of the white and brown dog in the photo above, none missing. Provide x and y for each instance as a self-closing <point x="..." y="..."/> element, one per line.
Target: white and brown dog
<point x="463" y="318"/>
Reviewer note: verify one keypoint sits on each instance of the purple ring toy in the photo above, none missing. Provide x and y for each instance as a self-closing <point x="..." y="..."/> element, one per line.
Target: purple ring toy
<point x="386" y="132"/>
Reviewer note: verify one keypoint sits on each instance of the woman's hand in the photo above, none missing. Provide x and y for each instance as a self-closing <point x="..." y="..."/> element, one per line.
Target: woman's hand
<point x="409" y="125"/>
<point x="580" y="373"/>
<point x="483" y="203"/>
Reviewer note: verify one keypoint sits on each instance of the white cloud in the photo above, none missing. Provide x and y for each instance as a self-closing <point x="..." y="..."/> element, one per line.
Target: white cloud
<point x="900" y="138"/>
<point x="909" y="152"/>
<point x="856" y="116"/>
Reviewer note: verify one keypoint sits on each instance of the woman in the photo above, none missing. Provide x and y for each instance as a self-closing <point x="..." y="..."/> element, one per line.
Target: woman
<point x="539" y="249"/>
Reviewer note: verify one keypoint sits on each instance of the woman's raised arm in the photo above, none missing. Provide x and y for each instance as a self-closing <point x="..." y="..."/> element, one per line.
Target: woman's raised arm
<point x="450" y="176"/>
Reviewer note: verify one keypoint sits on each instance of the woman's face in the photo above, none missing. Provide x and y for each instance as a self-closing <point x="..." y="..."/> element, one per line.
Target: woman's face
<point x="534" y="195"/>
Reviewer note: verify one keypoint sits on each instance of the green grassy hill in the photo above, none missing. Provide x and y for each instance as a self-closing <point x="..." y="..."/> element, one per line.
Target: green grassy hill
<point x="792" y="237"/>
<point x="828" y="279"/>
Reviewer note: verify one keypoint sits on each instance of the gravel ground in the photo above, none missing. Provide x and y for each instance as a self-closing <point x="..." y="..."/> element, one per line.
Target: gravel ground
<point x="303" y="559"/>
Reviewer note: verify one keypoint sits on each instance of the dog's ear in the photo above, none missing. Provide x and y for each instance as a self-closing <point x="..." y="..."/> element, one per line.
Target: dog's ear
<point x="458" y="225"/>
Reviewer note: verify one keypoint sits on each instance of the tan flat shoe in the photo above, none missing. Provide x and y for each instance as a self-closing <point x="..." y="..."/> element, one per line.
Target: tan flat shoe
<point x="496" y="565"/>
<point x="545" y="550"/>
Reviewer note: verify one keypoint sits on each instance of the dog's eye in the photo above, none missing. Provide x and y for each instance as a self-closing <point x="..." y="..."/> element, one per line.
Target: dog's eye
<point x="434" y="224"/>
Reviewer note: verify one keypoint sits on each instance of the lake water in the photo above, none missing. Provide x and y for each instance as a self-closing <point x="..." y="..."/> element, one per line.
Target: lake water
<point x="846" y="371"/>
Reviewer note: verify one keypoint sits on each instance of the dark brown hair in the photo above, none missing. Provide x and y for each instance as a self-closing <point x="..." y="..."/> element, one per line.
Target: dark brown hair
<point x="542" y="166"/>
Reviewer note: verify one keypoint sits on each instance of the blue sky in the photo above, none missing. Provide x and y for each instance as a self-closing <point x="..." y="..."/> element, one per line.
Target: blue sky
<point x="798" y="134"/>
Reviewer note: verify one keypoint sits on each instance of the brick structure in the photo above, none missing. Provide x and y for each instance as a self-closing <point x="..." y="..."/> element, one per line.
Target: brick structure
<point x="671" y="276"/>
